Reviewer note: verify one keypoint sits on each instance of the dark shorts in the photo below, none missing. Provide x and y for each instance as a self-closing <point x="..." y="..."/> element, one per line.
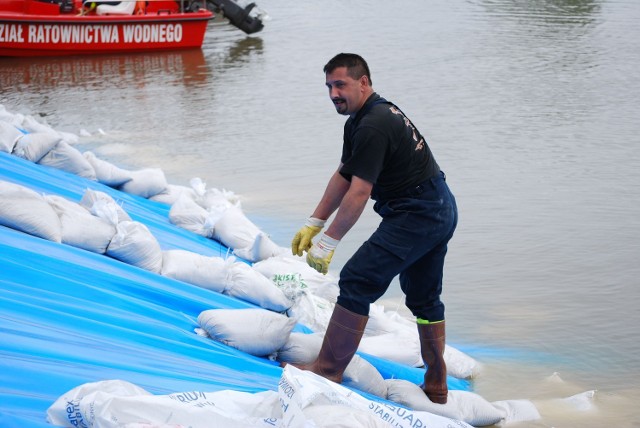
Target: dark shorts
<point x="411" y="241"/>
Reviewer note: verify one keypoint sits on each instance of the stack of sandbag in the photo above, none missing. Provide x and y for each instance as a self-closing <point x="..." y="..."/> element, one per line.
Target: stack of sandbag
<point x="217" y="215"/>
<point x="211" y="212"/>
<point x="303" y="399"/>
<point x="29" y="139"/>
<point x="387" y="335"/>
<point x="37" y="142"/>
<point x="96" y="224"/>
<point x="267" y="334"/>
<point x="133" y="243"/>
<point x="49" y="149"/>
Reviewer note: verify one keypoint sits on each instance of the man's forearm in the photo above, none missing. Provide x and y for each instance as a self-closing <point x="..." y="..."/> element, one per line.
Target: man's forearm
<point x="332" y="198"/>
<point x="351" y="207"/>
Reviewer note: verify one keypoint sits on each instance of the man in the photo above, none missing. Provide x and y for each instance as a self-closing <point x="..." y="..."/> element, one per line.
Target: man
<point x="384" y="157"/>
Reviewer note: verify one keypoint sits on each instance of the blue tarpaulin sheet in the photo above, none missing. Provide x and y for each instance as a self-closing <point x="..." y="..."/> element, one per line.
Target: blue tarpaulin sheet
<point x="70" y="316"/>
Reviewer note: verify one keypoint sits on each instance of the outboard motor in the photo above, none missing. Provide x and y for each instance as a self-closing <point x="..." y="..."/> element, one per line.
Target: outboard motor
<point x="237" y="15"/>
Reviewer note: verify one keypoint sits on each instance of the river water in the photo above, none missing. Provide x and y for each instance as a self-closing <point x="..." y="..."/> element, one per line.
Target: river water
<point x="530" y="106"/>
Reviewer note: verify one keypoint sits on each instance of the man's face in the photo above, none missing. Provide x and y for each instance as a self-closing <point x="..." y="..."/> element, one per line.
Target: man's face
<point x="347" y="94"/>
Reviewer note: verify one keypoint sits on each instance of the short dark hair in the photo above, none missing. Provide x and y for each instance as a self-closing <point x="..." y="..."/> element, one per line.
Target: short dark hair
<point x="356" y="65"/>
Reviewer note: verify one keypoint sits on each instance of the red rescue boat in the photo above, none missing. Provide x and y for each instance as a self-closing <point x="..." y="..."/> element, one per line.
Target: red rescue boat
<point x="74" y="27"/>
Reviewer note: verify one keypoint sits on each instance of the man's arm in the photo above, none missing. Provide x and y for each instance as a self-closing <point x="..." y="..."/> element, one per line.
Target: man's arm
<point x="351" y="206"/>
<point x="333" y="196"/>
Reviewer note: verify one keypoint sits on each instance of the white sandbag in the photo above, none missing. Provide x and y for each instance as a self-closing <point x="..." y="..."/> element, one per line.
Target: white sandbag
<point x="80" y="228"/>
<point x="300" y="348"/>
<point x="69" y="159"/>
<point x="459" y="364"/>
<point x="171" y="194"/>
<point x="34" y="146"/>
<point x="213" y="200"/>
<point x="306" y="308"/>
<point x="106" y="172"/>
<point x="401" y="347"/>
<point x="187" y="214"/>
<point x="30" y="124"/>
<point x="576" y="404"/>
<point x="462" y="405"/>
<point x="257" y="332"/>
<point x="25" y="210"/>
<point x="384" y="322"/>
<point x="304" y="348"/>
<point x="361" y="374"/>
<point x="145" y="182"/>
<point x="516" y="411"/>
<point x="119" y="404"/>
<point x="313" y="400"/>
<point x="206" y="272"/>
<point x="104" y="206"/>
<point x="246" y="284"/>
<point x="262" y="248"/>
<point x="234" y="229"/>
<point x="134" y="244"/>
<point x="325" y="286"/>
<point x="9" y="135"/>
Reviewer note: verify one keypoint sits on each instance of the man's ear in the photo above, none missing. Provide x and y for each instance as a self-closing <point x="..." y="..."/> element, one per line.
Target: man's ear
<point x="364" y="80"/>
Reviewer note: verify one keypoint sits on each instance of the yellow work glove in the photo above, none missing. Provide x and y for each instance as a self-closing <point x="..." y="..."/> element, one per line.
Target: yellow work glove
<point x="302" y="241"/>
<point x="319" y="256"/>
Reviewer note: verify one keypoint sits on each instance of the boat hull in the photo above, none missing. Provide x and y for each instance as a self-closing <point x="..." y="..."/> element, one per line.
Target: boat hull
<point x="24" y="34"/>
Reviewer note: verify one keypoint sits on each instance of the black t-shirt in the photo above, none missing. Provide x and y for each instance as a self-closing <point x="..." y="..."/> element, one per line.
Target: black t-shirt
<point x="383" y="147"/>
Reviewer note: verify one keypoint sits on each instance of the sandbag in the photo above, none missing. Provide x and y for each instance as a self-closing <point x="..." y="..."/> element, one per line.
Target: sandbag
<point x="303" y="348"/>
<point x="145" y="182"/>
<point x="325" y="286"/>
<point x="246" y="284"/>
<point x="69" y="159"/>
<point x="462" y="405"/>
<point x="34" y="146"/>
<point x="104" y="206"/>
<point x="213" y="200"/>
<point x="262" y="248"/>
<point x="258" y="332"/>
<point x="80" y="228"/>
<point x="516" y="411"/>
<point x="107" y="173"/>
<point x="306" y="308"/>
<point x="30" y="124"/>
<point x="401" y="347"/>
<point x="234" y="229"/>
<point x="9" y="134"/>
<point x="206" y="272"/>
<point x="25" y="210"/>
<point x="134" y="244"/>
<point x="187" y="214"/>
<point x="307" y="396"/>
<point x="172" y="193"/>
<point x="300" y="348"/>
<point x="118" y="404"/>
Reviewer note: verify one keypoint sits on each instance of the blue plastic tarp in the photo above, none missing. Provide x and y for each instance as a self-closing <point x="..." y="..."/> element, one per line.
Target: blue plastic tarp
<point x="70" y="316"/>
